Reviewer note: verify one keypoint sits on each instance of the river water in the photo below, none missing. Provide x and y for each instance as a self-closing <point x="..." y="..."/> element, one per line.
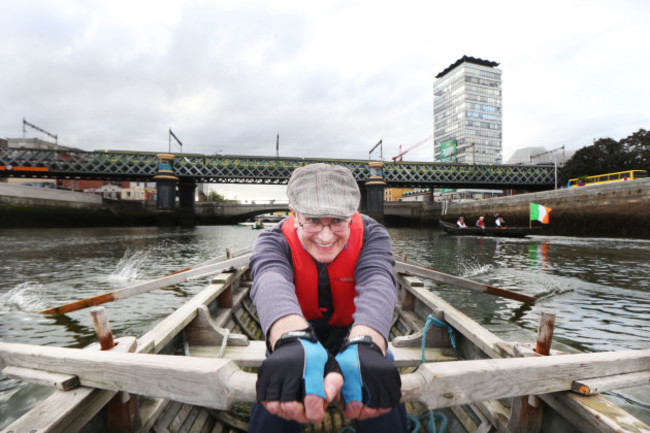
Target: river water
<point x="598" y="287"/>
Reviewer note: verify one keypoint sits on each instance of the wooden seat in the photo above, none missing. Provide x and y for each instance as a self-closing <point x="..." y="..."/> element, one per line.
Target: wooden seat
<point x="253" y="354"/>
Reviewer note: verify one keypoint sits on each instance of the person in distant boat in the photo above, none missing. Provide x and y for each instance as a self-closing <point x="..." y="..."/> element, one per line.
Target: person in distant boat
<point x="461" y="222"/>
<point x="500" y="222"/>
<point x="480" y="222"/>
<point x="258" y="224"/>
<point x="325" y="294"/>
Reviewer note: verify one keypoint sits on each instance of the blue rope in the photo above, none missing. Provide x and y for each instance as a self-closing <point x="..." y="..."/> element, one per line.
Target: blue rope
<point x="433" y="321"/>
<point x="430" y="417"/>
<point x="413" y="423"/>
<point x="427" y="422"/>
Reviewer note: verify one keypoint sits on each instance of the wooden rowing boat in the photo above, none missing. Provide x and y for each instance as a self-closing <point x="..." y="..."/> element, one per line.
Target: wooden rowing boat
<point x="194" y="371"/>
<point x="500" y="232"/>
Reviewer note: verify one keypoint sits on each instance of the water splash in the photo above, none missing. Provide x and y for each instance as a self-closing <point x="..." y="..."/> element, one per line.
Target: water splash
<point x="553" y="287"/>
<point x="474" y="270"/>
<point x="24" y="297"/>
<point x="129" y="267"/>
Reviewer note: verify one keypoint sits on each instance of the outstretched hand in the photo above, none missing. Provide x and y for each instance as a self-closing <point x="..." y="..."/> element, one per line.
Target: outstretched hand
<point x="312" y="408"/>
<point x="299" y="379"/>
<point x="372" y="384"/>
<point x="290" y="382"/>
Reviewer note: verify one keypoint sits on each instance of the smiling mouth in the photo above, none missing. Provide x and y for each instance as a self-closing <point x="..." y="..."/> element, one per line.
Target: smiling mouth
<point x="325" y="245"/>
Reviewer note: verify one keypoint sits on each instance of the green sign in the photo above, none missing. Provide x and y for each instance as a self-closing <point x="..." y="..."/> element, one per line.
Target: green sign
<point x="448" y="151"/>
<point x="448" y="154"/>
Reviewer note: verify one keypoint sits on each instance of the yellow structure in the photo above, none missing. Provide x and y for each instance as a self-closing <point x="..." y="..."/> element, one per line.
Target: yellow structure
<point x="394" y="194"/>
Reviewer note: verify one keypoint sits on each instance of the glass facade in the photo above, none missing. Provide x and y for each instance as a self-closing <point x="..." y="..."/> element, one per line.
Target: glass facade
<point x="467" y="108"/>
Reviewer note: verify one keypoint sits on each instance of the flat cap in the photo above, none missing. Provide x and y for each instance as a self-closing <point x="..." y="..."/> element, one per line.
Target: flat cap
<point x="323" y="190"/>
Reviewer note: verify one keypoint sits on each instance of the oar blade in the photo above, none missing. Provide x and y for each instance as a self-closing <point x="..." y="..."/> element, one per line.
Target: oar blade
<point x="81" y="304"/>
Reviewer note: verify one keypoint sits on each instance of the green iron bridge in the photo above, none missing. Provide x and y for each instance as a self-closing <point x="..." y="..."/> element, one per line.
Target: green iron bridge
<point x="263" y="170"/>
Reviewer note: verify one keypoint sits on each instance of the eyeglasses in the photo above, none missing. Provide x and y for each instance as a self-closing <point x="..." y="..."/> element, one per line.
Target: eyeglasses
<point x="316" y="227"/>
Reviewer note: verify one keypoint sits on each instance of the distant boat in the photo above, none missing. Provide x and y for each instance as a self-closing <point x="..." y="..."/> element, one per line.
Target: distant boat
<point x="502" y="232"/>
<point x="253" y="225"/>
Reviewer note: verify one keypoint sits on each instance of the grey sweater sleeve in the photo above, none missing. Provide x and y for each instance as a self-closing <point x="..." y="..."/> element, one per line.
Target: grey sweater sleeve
<point x="377" y="296"/>
<point x="273" y="291"/>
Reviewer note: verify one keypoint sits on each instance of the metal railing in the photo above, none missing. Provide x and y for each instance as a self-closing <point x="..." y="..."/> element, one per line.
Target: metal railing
<point x="267" y="170"/>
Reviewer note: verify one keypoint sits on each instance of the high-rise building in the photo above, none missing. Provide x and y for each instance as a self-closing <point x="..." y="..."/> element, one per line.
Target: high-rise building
<point x="467" y="112"/>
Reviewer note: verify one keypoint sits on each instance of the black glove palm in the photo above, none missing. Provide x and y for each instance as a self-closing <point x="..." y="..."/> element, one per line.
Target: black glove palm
<point x="368" y="376"/>
<point x="295" y="368"/>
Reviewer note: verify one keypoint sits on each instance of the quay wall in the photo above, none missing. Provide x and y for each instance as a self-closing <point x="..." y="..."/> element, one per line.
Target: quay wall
<point x="29" y="195"/>
<point x="28" y="206"/>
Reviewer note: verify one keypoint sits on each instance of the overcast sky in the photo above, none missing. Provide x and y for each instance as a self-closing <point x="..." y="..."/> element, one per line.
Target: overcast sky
<point x="332" y="77"/>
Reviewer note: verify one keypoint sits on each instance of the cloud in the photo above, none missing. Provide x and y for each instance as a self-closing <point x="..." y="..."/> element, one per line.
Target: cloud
<point x="331" y="78"/>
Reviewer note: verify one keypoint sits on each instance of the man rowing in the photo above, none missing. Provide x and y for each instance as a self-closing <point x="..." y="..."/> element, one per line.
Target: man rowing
<point x="325" y="294"/>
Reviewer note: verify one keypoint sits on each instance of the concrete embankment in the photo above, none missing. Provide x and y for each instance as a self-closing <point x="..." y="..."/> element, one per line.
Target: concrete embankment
<point x="26" y="206"/>
<point x="620" y="209"/>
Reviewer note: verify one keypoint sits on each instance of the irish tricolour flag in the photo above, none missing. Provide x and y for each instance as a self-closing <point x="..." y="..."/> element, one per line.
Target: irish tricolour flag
<point x="539" y="213"/>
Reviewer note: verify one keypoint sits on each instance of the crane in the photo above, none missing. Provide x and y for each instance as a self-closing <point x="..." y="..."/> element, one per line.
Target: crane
<point x="408" y="149"/>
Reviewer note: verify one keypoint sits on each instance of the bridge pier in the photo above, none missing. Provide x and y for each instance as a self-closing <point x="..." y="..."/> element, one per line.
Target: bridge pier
<point x="186" y="213"/>
<point x="374" y="194"/>
<point x="165" y="190"/>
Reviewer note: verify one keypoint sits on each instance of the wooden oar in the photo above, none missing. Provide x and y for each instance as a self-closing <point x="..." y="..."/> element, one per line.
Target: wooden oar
<point x="169" y="280"/>
<point x="227" y="256"/>
<point x="441" y="277"/>
<point x="219" y="383"/>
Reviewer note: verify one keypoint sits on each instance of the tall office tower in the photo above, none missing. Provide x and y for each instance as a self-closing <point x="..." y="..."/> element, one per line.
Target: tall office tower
<point x="467" y="112"/>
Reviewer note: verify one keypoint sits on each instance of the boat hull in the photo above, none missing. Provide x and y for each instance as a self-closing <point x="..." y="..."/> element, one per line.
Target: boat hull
<point x="223" y="311"/>
<point x="506" y="232"/>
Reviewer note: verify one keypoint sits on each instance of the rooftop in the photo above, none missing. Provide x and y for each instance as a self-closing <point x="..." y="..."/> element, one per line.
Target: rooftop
<point x="467" y="59"/>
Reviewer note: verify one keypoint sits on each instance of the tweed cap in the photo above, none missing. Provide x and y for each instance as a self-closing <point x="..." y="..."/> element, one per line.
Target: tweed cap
<point x="323" y="190"/>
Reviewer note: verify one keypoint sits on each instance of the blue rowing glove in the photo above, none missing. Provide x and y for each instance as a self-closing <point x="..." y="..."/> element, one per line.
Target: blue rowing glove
<point x="368" y="376"/>
<point x="295" y="368"/>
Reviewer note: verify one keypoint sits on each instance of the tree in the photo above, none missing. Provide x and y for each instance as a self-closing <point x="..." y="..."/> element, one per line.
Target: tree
<point x="607" y="155"/>
<point x="637" y="146"/>
<point x="214" y="196"/>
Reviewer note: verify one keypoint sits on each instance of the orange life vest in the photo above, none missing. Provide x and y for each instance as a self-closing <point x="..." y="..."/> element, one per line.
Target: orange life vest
<point x="340" y="271"/>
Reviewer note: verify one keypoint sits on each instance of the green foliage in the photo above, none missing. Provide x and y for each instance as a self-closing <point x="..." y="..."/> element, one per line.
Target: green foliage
<point x="214" y="196"/>
<point x="637" y="146"/>
<point x="607" y="155"/>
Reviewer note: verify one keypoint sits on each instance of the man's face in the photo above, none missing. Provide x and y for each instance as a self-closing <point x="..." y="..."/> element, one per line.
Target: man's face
<point x="327" y="243"/>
